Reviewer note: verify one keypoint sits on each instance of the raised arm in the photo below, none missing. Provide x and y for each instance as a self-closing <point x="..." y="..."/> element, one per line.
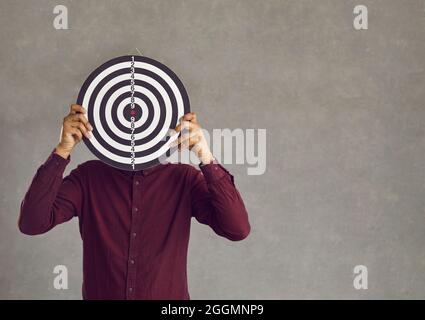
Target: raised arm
<point x="215" y="199"/>
<point x="50" y="198"/>
<point x="216" y="202"/>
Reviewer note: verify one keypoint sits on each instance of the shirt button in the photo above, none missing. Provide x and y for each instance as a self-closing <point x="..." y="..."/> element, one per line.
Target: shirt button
<point x="136" y="209"/>
<point x="137" y="183"/>
<point x="132" y="261"/>
<point x="134" y="234"/>
<point x="130" y="289"/>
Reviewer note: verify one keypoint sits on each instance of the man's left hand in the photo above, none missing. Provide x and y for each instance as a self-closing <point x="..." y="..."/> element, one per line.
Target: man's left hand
<point x="192" y="137"/>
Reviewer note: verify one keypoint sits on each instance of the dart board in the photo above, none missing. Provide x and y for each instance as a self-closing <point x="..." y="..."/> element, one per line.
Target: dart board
<point x="132" y="102"/>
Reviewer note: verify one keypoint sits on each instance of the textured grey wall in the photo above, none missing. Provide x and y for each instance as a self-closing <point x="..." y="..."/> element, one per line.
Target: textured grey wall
<point x="345" y="119"/>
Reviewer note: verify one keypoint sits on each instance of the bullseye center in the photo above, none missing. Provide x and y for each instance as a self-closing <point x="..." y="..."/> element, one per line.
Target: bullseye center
<point x="136" y="112"/>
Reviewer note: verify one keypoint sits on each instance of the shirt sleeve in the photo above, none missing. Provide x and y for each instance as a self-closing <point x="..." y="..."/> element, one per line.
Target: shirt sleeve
<point x="216" y="202"/>
<point x="51" y="199"/>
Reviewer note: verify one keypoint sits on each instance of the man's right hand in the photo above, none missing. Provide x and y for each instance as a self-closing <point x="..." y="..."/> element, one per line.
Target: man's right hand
<point x="74" y="126"/>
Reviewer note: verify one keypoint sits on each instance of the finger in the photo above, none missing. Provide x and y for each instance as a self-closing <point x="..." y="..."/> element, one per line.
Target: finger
<point x="188" y="144"/>
<point x="188" y="140"/>
<point x="186" y="134"/>
<point x="187" y="116"/>
<point x="190" y="116"/>
<point x="182" y="124"/>
<point x="179" y="140"/>
<point x="183" y="144"/>
<point x="75" y="108"/>
<point x="186" y="125"/>
<point x="81" y="118"/>
<point x="76" y="133"/>
<point x="82" y="128"/>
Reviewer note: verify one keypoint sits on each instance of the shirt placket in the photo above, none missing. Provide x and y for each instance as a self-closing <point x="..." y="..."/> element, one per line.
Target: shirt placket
<point x="135" y="219"/>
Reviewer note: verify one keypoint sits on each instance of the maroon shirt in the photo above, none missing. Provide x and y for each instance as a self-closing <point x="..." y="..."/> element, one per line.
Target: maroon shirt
<point x="134" y="225"/>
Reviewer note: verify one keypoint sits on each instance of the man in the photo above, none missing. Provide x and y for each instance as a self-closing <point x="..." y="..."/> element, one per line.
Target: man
<point x="134" y="225"/>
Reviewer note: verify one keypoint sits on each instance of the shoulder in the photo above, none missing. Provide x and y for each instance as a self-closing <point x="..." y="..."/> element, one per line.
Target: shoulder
<point x="189" y="174"/>
<point x="184" y="168"/>
<point x="91" y="164"/>
<point x="186" y="173"/>
<point x="89" y="167"/>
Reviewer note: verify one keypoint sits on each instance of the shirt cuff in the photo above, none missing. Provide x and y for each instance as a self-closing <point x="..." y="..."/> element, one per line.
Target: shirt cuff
<point x="213" y="171"/>
<point x="56" y="164"/>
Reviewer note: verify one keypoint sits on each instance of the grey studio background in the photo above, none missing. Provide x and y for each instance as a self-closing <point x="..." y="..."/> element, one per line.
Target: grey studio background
<point x="345" y="119"/>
